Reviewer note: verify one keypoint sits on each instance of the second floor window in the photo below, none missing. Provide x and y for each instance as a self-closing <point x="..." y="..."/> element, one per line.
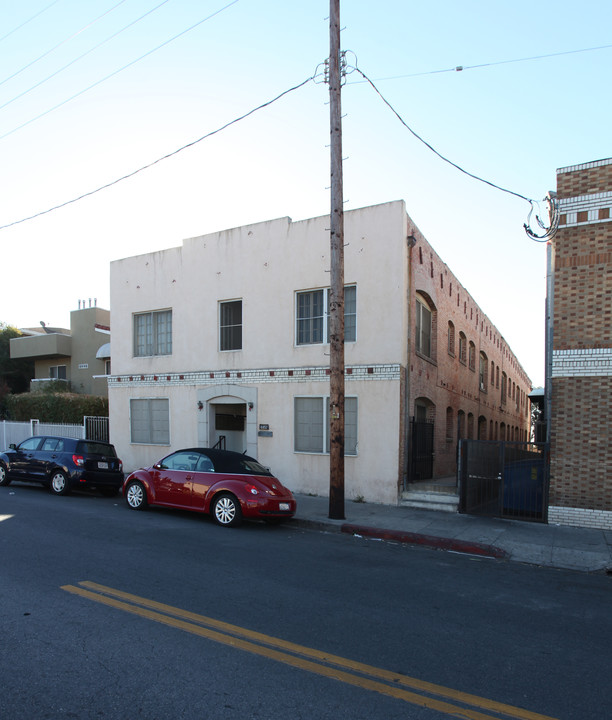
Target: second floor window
<point x="153" y="333"/>
<point x="57" y="372"/>
<point x="230" y="325"/>
<point x="423" y="328"/>
<point x="312" y="316"/>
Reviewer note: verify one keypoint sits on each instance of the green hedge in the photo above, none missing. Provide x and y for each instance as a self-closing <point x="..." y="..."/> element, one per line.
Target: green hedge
<point x="54" y="407"/>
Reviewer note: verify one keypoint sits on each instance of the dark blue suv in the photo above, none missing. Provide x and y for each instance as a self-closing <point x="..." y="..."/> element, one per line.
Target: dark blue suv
<point x="63" y="464"/>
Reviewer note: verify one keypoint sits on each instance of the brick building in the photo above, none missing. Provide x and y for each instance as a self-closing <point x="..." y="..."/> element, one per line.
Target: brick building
<point x="226" y="336"/>
<point x="581" y="377"/>
<point x="470" y="382"/>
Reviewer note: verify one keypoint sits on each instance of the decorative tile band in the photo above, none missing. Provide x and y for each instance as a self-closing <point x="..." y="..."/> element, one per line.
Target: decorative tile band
<point x="250" y="377"/>
<point x="585" y="209"/>
<point x="585" y="166"/>
<point x="579" y="517"/>
<point x="592" y="362"/>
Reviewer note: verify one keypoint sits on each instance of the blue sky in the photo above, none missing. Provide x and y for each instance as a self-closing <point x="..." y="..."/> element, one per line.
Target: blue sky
<point x="512" y="123"/>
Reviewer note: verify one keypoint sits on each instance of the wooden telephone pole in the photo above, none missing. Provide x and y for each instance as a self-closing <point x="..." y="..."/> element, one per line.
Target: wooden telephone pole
<point x="336" y="300"/>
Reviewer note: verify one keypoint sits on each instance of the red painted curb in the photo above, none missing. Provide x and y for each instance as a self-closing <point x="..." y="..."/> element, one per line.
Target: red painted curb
<point x="431" y="541"/>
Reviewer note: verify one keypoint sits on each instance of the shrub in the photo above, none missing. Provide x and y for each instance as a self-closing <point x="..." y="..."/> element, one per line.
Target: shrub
<point x="55" y="407"/>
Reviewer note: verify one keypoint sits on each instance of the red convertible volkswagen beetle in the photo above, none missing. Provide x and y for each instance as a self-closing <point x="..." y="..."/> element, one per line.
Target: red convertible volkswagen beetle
<point x="222" y="483"/>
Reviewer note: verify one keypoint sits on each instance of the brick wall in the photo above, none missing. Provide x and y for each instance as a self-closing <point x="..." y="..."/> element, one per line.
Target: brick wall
<point x="581" y="405"/>
<point x="450" y="385"/>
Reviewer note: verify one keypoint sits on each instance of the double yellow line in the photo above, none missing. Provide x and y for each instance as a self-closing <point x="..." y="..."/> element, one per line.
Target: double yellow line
<point x="428" y="695"/>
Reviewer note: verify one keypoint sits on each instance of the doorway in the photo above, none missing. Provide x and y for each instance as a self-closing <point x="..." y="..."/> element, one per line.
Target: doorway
<point x="228" y="426"/>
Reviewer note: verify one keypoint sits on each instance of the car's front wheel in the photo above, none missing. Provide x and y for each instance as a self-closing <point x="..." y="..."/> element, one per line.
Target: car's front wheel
<point x="226" y="510"/>
<point x="136" y="496"/>
<point x="59" y="483"/>
<point x="4" y="478"/>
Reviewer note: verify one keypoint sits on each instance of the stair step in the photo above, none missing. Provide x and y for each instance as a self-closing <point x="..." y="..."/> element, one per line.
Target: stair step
<point x="435" y="500"/>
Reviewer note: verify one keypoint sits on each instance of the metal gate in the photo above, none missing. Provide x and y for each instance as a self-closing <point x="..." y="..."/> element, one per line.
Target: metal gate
<point x="504" y="479"/>
<point x="96" y="428"/>
<point x="421" y="450"/>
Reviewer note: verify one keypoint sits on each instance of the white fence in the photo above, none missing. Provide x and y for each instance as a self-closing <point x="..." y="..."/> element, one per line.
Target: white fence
<point x="15" y="432"/>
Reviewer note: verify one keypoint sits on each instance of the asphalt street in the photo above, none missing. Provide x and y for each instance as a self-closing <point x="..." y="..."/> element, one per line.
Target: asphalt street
<point x="110" y="613"/>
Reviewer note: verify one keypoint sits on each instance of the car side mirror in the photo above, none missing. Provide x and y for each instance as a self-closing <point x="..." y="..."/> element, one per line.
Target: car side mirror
<point x="12" y="446"/>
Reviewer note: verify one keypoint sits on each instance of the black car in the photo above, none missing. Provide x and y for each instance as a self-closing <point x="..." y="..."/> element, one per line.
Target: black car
<point x="63" y="464"/>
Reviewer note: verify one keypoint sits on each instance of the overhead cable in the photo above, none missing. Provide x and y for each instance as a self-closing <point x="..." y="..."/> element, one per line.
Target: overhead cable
<point x="549" y="230"/>
<point x="165" y="157"/>
<point x="63" y="42"/>
<point x="80" y="57"/>
<point x="418" y="137"/>
<point x="116" y="72"/>
<point x="23" y="24"/>
<point x="461" y="68"/>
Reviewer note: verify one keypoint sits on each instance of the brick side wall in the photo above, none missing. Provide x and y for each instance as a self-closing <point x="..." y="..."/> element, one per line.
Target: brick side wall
<point x="586" y="179"/>
<point x="581" y="452"/>
<point x="447" y="383"/>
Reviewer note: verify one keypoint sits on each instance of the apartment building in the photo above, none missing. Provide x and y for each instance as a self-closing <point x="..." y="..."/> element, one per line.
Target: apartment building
<point x="78" y="356"/>
<point x="224" y="339"/>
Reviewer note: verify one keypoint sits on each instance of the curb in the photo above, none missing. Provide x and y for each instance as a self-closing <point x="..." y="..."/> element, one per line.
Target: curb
<point x="409" y="538"/>
<point x="432" y="541"/>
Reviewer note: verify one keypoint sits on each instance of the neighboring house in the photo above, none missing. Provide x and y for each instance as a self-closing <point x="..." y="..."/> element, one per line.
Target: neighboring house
<point x="79" y="356"/>
<point x="581" y="362"/>
<point x="226" y="336"/>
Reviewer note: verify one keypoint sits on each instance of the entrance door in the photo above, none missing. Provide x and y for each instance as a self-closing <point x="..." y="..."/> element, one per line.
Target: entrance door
<point x="229" y="426"/>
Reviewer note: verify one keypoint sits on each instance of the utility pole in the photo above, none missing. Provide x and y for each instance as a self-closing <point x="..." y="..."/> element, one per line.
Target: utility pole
<point x="336" y="299"/>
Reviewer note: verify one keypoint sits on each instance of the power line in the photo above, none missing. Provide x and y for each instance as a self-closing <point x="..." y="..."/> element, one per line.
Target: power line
<point x="80" y="57"/>
<point x="442" y="157"/>
<point x="165" y="157"/>
<point x="63" y="42"/>
<point x="40" y="12"/>
<point x="460" y="68"/>
<point x="116" y="72"/>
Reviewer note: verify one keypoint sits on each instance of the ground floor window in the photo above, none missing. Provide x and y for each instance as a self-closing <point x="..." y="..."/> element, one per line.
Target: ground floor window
<point x="150" y="421"/>
<point x="311" y="425"/>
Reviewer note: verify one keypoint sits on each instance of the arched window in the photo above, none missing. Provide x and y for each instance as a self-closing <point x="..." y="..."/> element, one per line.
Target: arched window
<point x="472" y="356"/>
<point x="462" y="348"/>
<point x="483" y="370"/>
<point x="460" y="424"/>
<point x="423" y="326"/>
<point x="482" y="428"/>
<point x="451" y="338"/>
<point x="449" y="424"/>
<point x="470" y="426"/>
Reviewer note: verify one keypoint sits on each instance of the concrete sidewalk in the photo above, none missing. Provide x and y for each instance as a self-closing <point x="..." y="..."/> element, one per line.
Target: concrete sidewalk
<point x="558" y="546"/>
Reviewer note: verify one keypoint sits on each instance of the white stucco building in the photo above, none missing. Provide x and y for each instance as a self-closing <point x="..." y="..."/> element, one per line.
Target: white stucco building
<point x="226" y="335"/>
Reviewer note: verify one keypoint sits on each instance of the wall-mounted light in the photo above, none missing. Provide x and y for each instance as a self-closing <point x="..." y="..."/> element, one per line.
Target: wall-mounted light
<point x="200" y="405"/>
<point x="250" y="406"/>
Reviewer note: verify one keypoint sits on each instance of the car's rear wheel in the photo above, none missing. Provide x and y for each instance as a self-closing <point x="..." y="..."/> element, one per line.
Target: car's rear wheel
<point x="136" y="496"/>
<point x="226" y="510"/>
<point x="4" y="478"/>
<point x="59" y="483"/>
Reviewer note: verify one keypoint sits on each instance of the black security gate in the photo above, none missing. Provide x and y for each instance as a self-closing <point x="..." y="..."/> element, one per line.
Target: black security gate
<point x="503" y="479"/>
<point x="96" y="428"/>
<point x="421" y="450"/>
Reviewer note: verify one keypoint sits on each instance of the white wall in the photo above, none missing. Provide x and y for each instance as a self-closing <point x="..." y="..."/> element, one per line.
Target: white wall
<point x="264" y="265"/>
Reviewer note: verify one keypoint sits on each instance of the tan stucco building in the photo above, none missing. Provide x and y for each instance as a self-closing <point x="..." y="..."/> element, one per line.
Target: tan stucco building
<point x="78" y="356"/>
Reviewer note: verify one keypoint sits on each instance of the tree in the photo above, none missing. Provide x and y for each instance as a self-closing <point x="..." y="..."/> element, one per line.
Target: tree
<point x="15" y="374"/>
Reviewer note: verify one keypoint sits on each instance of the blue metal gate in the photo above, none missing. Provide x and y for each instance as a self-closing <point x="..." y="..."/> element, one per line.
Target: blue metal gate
<point x="504" y="479"/>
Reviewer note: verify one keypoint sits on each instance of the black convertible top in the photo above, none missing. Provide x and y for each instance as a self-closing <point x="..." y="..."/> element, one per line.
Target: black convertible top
<point x="228" y="461"/>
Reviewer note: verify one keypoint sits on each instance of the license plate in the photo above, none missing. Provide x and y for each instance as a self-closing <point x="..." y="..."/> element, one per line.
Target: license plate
<point x="103" y="465"/>
<point x="283" y="506"/>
